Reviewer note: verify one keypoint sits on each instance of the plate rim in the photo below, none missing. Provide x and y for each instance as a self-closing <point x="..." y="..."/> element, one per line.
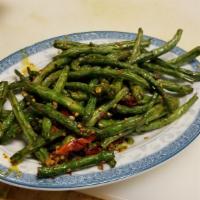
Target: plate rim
<point x="5" y="63"/>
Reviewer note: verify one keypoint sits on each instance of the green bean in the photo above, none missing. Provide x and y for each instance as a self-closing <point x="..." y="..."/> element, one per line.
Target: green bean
<point x="78" y="50"/>
<point x="185" y="57"/>
<point x="153" y="82"/>
<point x="75" y="65"/>
<point x="11" y="128"/>
<point x="96" y="89"/>
<point x="105" y="143"/>
<point x="32" y="73"/>
<point x="3" y="93"/>
<point x="129" y="123"/>
<point x="4" y="114"/>
<point x="175" y="87"/>
<point x="21" y="76"/>
<point x="78" y="95"/>
<point x="171" y="72"/>
<point x="11" y="133"/>
<point x="66" y="44"/>
<point x="68" y="139"/>
<point x="136" y="48"/>
<point x="106" y="122"/>
<point x="79" y="86"/>
<point x="52" y="66"/>
<point x="194" y="75"/>
<point x="66" y="92"/>
<point x="46" y="127"/>
<point x="51" y="95"/>
<point x="42" y="155"/>
<point x="97" y="59"/>
<point x="32" y="148"/>
<point x="104" y="88"/>
<point x="112" y="163"/>
<point x="173" y="102"/>
<point x="9" y="120"/>
<point x="154" y="113"/>
<point x="91" y="104"/>
<point x="60" y="84"/>
<point x="117" y="85"/>
<point x="51" y="78"/>
<point x="160" y="50"/>
<point x="16" y="86"/>
<point x="88" y="161"/>
<point x="96" y="71"/>
<point x="137" y="92"/>
<point x="146" y="99"/>
<point x="172" y="117"/>
<point x="133" y="68"/>
<point x="99" y="112"/>
<point x="119" y="55"/>
<point x="136" y="109"/>
<point x="128" y="44"/>
<point x="24" y="124"/>
<point x="55" y="115"/>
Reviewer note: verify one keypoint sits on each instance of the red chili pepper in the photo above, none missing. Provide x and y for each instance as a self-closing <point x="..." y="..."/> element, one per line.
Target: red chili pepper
<point x="65" y="112"/>
<point x="102" y="115"/>
<point x="129" y="101"/>
<point x="75" y="145"/>
<point x="92" y="151"/>
<point x="54" y="129"/>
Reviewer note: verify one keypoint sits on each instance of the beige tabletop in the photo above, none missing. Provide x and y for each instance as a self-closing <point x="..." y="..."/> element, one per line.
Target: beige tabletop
<point x="24" y="22"/>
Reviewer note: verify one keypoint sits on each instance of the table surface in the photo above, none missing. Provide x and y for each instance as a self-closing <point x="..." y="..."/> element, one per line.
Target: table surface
<point x="24" y="22"/>
<point x="13" y="193"/>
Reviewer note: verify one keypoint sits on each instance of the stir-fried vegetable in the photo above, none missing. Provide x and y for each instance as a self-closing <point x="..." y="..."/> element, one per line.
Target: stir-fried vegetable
<point x="90" y="98"/>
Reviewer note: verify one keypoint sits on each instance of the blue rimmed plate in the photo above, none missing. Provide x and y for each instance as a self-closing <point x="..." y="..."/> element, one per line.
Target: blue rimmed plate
<point x="148" y="151"/>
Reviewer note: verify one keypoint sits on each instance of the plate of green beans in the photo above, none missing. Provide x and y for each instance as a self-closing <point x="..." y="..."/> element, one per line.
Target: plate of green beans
<point x="87" y="109"/>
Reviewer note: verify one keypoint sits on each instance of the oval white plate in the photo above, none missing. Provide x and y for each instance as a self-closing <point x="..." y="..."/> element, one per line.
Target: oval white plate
<point x="146" y="153"/>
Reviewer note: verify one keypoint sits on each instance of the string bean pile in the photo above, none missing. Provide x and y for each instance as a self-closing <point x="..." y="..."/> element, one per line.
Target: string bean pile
<point x="89" y="100"/>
